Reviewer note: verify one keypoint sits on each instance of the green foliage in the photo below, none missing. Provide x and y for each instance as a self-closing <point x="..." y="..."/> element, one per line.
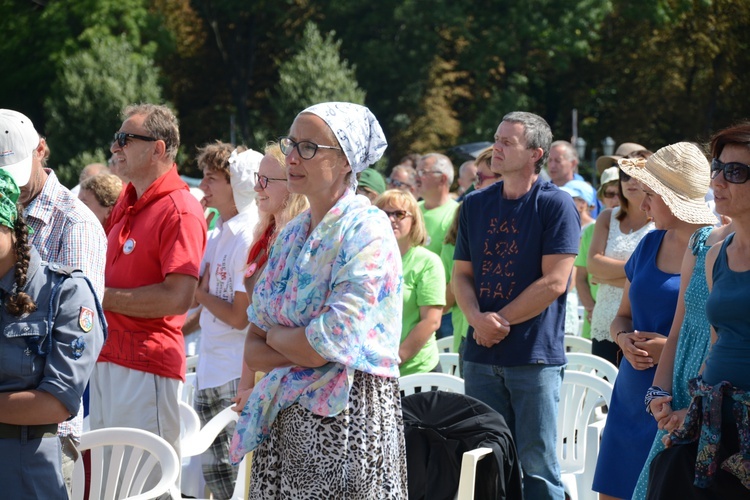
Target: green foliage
<point x="69" y="173"/>
<point x="314" y="74"/>
<point x="92" y="87"/>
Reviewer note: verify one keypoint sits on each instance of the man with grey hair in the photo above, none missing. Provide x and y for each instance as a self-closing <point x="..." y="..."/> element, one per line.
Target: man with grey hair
<point x="516" y="243"/>
<point x="434" y="179"/>
<point x="156" y="239"/>
<point x="562" y="165"/>
<point x="467" y="173"/>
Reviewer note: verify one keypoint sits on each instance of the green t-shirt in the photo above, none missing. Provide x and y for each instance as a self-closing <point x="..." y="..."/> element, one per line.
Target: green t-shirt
<point x="583" y="252"/>
<point x="459" y="321"/>
<point x="424" y="285"/>
<point x="437" y="221"/>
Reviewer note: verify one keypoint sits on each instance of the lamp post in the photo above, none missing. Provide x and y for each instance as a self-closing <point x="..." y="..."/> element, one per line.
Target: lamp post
<point x="608" y="146"/>
<point x="580" y="145"/>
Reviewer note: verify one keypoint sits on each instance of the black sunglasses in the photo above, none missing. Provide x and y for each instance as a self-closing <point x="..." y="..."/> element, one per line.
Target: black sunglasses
<point x="121" y="138"/>
<point x="397" y="214"/>
<point x="734" y="172"/>
<point x="623" y="176"/>
<point x="263" y="180"/>
<point x="306" y="149"/>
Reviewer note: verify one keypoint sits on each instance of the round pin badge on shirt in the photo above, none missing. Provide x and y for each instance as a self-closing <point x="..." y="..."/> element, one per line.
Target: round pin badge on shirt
<point x="129" y="246"/>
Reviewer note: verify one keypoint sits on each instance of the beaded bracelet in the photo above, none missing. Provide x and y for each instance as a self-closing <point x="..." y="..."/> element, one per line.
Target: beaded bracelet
<point x="652" y="393"/>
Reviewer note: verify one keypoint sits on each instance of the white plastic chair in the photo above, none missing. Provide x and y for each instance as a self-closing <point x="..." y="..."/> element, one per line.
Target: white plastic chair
<point x="187" y="390"/>
<point x="578" y="438"/>
<point x="468" y="478"/>
<point x="133" y="455"/>
<point x="445" y="344"/>
<point x="191" y="363"/>
<point x="449" y="363"/>
<point x="421" y="382"/>
<point x="577" y="344"/>
<point x="590" y="363"/>
<point x="196" y="443"/>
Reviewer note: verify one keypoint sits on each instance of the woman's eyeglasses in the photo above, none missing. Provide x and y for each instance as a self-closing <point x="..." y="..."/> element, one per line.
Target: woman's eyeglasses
<point x="480" y="178"/>
<point x="609" y="194"/>
<point x="397" y="184"/>
<point x="306" y="149"/>
<point x="263" y="180"/>
<point x="399" y="215"/>
<point x="734" y="172"/>
<point x="122" y="138"/>
<point x="623" y="176"/>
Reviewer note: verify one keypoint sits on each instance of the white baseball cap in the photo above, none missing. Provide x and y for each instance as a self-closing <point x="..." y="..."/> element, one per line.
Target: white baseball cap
<point x="18" y="140"/>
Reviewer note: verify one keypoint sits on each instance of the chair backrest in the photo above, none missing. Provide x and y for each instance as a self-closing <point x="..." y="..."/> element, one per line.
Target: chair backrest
<point x="197" y="443"/>
<point x="449" y="363"/>
<point x="423" y="382"/>
<point x="577" y="344"/>
<point x="191" y="363"/>
<point x="580" y="395"/>
<point x="122" y="460"/>
<point x="590" y="363"/>
<point x="445" y="344"/>
<point x="190" y="424"/>
<point x="187" y="390"/>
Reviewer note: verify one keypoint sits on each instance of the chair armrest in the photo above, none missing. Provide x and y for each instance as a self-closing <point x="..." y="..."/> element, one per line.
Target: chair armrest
<point x="468" y="476"/>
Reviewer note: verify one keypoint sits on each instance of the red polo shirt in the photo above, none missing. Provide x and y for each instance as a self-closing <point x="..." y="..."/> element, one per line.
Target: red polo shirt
<point x="161" y="232"/>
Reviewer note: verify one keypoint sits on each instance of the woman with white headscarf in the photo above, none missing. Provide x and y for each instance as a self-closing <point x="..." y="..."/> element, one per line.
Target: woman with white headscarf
<point x="325" y="422"/>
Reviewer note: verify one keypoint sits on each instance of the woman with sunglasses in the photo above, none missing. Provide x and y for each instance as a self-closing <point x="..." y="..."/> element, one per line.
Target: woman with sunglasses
<point x="674" y="181"/>
<point x="53" y="330"/>
<point x="423" y="287"/>
<point x="616" y="234"/>
<point x="276" y="207"/>
<point x="325" y="421"/>
<point x="709" y="459"/>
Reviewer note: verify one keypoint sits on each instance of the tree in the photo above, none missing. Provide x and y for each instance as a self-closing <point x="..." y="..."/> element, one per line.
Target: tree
<point x="315" y="74"/>
<point x="85" y="101"/>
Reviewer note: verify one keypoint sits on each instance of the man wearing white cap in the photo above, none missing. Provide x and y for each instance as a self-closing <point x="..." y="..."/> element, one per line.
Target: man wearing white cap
<point x="156" y="239"/>
<point x="62" y="228"/>
<point x="228" y="183"/>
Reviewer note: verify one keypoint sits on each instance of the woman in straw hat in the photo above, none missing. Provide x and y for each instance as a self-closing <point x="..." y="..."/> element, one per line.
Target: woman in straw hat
<point x="617" y="233"/>
<point x="674" y="180"/>
<point x="711" y="457"/>
<point x="326" y="419"/>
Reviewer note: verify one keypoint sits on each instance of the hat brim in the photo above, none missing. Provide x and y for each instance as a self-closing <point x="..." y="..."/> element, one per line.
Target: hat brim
<point x="21" y="171"/>
<point x="690" y="210"/>
<point x="604" y="162"/>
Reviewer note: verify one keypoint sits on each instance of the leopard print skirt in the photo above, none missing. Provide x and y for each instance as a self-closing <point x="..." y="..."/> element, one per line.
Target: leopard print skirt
<point x="357" y="454"/>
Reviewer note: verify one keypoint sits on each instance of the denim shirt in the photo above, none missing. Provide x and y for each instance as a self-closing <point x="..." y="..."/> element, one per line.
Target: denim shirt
<point x="53" y="353"/>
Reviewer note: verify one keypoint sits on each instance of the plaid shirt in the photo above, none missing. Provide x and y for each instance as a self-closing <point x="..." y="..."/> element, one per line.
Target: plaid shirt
<point x="67" y="232"/>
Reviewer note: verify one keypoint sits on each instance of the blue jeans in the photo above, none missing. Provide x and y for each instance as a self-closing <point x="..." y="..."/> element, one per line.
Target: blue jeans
<point x="527" y="397"/>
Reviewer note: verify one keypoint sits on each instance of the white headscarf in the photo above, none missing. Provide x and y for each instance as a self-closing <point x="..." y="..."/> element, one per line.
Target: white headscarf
<point x="242" y="169"/>
<point x="357" y="131"/>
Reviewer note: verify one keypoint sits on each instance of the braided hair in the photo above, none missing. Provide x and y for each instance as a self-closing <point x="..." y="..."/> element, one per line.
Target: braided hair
<point x="20" y="302"/>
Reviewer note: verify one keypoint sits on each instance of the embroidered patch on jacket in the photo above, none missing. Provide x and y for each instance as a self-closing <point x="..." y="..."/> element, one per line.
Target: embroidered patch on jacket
<point x="77" y="346"/>
<point x="86" y="319"/>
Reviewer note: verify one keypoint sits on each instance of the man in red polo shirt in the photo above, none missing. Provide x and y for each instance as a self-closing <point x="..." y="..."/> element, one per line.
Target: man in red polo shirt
<point x="156" y="239"/>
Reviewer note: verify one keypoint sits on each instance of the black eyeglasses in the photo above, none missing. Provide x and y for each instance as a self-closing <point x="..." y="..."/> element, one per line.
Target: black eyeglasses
<point x="263" y="180"/>
<point x="122" y="138"/>
<point x="609" y="194"/>
<point x="306" y="149"/>
<point x="396" y="183"/>
<point x="397" y="214"/>
<point x="734" y="172"/>
<point x="623" y="176"/>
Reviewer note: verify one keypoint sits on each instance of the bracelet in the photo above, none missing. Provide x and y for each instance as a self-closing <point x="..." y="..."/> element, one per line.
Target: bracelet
<point x="652" y="393"/>
<point x="617" y="336"/>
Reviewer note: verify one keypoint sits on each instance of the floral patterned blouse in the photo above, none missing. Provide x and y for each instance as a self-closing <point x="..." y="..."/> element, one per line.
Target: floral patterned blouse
<point x="351" y="265"/>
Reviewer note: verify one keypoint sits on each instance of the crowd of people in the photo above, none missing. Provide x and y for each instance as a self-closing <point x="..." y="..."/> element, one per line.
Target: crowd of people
<point x="313" y="282"/>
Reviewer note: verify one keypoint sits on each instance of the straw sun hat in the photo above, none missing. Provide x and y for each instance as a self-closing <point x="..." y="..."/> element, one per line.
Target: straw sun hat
<point x="681" y="175"/>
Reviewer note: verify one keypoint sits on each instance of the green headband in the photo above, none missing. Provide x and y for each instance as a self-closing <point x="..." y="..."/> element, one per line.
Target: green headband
<point x="8" y="197"/>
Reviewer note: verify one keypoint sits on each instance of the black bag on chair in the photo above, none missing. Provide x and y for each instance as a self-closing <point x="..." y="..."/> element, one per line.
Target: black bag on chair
<point x="439" y="427"/>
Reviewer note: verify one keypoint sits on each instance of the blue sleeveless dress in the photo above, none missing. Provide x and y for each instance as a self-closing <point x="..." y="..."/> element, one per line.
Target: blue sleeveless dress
<point x="692" y="346"/>
<point x="629" y="431"/>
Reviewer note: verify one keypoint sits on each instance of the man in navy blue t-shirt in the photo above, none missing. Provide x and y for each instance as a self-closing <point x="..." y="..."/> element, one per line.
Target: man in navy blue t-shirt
<point x="514" y="255"/>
